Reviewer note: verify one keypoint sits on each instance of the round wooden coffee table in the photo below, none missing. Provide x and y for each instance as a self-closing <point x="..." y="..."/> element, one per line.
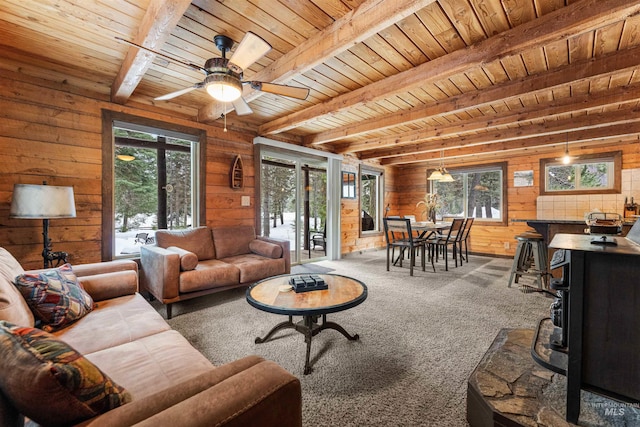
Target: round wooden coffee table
<point x="342" y="294"/>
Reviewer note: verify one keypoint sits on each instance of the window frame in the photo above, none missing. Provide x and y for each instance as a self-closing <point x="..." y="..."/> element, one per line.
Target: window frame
<point x="371" y="170"/>
<point x="616" y="156"/>
<point x="108" y="153"/>
<point x="502" y="166"/>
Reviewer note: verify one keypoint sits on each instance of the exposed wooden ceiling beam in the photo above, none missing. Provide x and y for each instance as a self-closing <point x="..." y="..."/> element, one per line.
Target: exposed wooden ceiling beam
<point x="354" y="27"/>
<point x="156" y="26"/>
<point x="558" y="25"/>
<point x="625" y="129"/>
<point x="570" y="74"/>
<point x="590" y="121"/>
<point x="376" y="147"/>
<point x="465" y="156"/>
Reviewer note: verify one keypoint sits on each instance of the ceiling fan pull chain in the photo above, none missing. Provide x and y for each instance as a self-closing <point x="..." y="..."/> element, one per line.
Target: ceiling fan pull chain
<point x="225" y="116"/>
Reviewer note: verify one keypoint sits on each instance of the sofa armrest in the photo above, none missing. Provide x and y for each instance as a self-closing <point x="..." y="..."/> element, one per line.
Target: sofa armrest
<point x="106" y="280"/>
<point x="92" y="269"/>
<point x="160" y="272"/>
<point x="110" y="285"/>
<point x="286" y="251"/>
<point x="246" y="392"/>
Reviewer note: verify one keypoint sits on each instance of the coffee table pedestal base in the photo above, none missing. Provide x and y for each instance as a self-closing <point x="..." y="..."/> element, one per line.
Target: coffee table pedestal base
<point x="309" y="327"/>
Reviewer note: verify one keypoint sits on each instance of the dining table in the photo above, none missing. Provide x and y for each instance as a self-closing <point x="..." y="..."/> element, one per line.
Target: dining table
<point x="425" y="230"/>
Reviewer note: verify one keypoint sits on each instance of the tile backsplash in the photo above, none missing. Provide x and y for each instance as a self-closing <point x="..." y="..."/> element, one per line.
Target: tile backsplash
<point x="576" y="207"/>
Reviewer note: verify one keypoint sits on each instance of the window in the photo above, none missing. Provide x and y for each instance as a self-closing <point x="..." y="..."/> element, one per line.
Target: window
<point x="348" y="185"/>
<point x="151" y="182"/>
<point x="475" y="192"/>
<point x="588" y="174"/>
<point x="371" y="200"/>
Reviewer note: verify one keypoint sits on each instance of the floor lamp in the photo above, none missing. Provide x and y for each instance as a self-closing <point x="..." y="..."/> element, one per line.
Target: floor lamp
<point x="43" y="202"/>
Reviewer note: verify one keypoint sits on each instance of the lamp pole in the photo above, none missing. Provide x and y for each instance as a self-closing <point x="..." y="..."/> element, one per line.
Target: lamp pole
<point x="47" y="243"/>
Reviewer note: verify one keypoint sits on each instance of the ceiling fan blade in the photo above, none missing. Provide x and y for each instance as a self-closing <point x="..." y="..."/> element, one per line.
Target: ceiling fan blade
<point x="250" y="49"/>
<point x="290" y="91"/>
<point x="170" y="58"/>
<point x="178" y="93"/>
<point x="241" y="107"/>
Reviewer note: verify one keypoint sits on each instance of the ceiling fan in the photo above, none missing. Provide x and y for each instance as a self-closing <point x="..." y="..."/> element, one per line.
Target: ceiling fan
<point x="223" y="79"/>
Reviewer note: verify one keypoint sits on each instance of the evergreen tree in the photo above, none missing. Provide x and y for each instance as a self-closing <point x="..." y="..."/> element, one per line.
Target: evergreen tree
<point x="135" y="186"/>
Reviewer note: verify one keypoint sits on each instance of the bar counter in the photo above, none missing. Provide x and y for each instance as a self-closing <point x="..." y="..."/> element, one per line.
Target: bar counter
<point x="550" y="227"/>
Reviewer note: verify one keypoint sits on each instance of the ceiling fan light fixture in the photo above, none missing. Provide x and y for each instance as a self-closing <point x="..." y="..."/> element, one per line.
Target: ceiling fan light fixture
<point x="223" y="88"/>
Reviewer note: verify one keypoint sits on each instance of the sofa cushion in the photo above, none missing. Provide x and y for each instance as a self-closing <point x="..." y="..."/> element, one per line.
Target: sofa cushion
<point x="209" y="274"/>
<point x="231" y="241"/>
<point x="13" y="308"/>
<point x="188" y="260"/>
<point x="113" y="322"/>
<point x="151" y="364"/>
<point x="197" y="240"/>
<point x="255" y="267"/>
<point x="266" y="249"/>
<point x="55" y="296"/>
<point x="51" y="383"/>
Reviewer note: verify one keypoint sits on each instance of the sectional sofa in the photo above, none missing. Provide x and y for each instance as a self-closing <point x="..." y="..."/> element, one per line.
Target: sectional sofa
<point x="159" y="378"/>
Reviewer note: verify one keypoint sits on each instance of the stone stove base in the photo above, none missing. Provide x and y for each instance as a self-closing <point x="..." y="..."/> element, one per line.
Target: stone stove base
<point x="508" y="388"/>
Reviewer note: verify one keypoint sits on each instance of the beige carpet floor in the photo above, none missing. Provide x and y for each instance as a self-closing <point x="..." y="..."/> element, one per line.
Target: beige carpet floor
<point x="420" y="338"/>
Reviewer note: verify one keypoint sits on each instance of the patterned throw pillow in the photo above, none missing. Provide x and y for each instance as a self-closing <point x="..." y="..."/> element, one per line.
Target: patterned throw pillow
<point x="50" y="382"/>
<point x="55" y="296"/>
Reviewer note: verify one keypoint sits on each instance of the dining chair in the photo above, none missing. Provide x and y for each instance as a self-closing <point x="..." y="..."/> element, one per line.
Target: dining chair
<point x="412" y="218"/>
<point x="440" y="243"/>
<point x="399" y="235"/>
<point x="464" y="239"/>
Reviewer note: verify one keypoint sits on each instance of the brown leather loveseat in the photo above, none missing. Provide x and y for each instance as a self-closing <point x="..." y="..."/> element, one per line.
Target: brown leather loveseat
<point x="186" y="264"/>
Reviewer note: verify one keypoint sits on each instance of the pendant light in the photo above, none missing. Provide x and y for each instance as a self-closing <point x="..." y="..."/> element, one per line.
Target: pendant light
<point x="566" y="159"/>
<point x="436" y="175"/>
<point x="441" y="174"/>
<point x="446" y="177"/>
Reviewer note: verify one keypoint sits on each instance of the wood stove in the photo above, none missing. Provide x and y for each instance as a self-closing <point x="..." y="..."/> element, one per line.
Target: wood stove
<point x="597" y="342"/>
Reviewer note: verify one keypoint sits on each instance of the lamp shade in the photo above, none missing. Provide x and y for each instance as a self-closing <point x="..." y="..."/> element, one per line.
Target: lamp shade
<point x="42" y="202"/>
<point x="446" y="177"/>
<point x="436" y="175"/>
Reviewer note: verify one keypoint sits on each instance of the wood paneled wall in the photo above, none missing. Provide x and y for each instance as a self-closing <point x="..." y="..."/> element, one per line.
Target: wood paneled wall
<point x="490" y="239"/>
<point x="49" y="132"/>
<point x="351" y="241"/>
<point x="52" y="132"/>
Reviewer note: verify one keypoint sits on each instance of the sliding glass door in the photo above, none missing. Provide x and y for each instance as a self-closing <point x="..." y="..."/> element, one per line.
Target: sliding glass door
<point x="293" y="202"/>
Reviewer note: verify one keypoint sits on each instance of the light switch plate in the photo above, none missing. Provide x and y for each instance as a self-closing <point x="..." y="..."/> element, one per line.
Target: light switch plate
<point x="245" y="201"/>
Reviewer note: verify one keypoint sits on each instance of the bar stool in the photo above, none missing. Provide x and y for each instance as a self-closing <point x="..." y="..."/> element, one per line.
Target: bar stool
<point x="530" y="259"/>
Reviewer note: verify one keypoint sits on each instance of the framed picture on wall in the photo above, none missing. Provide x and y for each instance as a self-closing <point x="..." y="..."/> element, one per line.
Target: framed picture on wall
<point x="523" y="179"/>
<point x="348" y="185"/>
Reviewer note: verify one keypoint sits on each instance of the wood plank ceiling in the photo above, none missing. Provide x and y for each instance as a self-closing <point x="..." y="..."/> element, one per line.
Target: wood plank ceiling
<point x="401" y="81"/>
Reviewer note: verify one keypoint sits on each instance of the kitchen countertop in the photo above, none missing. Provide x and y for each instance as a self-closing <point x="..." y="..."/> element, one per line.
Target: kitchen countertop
<point x="554" y="221"/>
<point x="626" y="221"/>
<point x="548" y="228"/>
